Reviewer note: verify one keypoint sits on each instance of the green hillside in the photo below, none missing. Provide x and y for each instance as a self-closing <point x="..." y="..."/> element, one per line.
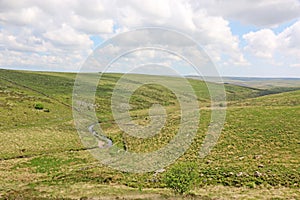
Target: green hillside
<point x="281" y="99"/>
<point x="41" y="154"/>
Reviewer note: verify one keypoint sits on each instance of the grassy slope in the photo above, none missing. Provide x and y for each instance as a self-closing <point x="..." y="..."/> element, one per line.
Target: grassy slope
<point x="25" y="130"/>
<point x="264" y="139"/>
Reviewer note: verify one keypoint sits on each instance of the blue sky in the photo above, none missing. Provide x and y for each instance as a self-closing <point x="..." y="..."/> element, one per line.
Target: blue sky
<point x="243" y="38"/>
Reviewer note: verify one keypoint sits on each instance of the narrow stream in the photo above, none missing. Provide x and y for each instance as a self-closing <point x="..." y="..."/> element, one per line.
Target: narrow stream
<point x="102" y="138"/>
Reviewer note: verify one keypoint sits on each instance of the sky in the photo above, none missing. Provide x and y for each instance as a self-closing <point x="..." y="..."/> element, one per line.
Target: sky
<point x="248" y="38"/>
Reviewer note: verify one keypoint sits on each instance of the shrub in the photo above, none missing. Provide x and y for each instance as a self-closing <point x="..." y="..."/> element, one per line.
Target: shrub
<point x="181" y="177"/>
<point x="39" y="106"/>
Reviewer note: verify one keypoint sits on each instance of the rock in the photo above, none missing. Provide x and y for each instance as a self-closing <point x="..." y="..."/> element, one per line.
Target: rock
<point x="257" y="157"/>
<point x="230" y="173"/>
<point x="260" y="166"/>
<point x="240" y="174"/>
<point x="208" y="161"/>
<point x="160" y="171"/>
<point x="257" y="174"/>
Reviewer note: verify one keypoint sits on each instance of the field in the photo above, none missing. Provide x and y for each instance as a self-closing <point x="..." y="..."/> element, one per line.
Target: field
<point x="41" y="154"/>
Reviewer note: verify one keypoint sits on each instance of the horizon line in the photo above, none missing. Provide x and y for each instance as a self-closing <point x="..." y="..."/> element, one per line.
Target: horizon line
<point x="187" y="75"/>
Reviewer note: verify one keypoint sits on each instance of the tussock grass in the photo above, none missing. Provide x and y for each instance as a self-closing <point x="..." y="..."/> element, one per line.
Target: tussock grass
<point x="41" y="154"/>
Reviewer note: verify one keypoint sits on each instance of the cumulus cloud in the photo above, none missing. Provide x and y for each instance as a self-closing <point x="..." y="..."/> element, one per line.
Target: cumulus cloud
<point x="284" y="46"/>
<point x="265" y="13"/>
<point x="290" y="37"/>
<point x="212" y="32"/>
<point x="261" y="43"/>
<point x="58" y="33"/>
<point x="215" y="34"/>
<point x="66" y="37"/>
<point x="68" y="25"/>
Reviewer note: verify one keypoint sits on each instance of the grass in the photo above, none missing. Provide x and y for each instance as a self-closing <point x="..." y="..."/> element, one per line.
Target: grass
<point x="41" y="156"/>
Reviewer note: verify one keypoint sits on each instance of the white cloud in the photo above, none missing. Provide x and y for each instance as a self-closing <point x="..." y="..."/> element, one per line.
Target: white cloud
<point x="66" y="37"/>
<point x="16" y="59"/>
<point x="45" y="31"/>
<point x="24" y="40"/>
<point x="25" y="16"/>
<point x="261" y="43"/>
<point x="295" y="65"/>
<point x="216" y="36"/>
<point x="290" y="37"/>
<point x="212" y="32"/>
<point x="91" y="26"/>
<point x="265" y="13"/>
<point x="283" y="48"/>
<point x="67" y="25"/>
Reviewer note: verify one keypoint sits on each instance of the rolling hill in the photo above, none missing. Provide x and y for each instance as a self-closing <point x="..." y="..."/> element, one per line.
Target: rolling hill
<point x="41" y="154"/>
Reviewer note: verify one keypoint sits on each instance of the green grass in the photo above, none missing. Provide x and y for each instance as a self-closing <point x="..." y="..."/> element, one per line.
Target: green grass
<point x="41" y="154"/>
<point x="289" y="99"/>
